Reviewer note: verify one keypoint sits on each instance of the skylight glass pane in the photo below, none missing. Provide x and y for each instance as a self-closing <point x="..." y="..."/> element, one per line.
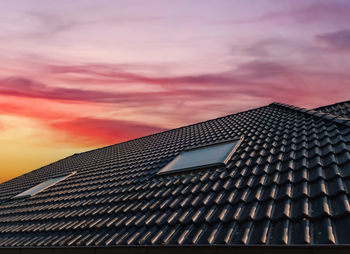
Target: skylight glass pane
<point x="40" y="187"/>
<point x="213" y="155"/>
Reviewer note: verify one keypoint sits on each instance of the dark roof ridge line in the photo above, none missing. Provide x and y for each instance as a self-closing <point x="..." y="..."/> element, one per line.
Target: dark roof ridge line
<point x="331" y="105"/>
<point x="314" y="113"/>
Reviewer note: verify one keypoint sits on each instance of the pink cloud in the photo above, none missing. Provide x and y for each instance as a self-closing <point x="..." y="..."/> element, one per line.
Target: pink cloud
<point x="93" y="131"/>
<point x="261" y="79"/>
<point x="23" y="87"/>
<point x="118" y="75"/>
<point x="189" y="97"/>
<point x="194" y="88"/>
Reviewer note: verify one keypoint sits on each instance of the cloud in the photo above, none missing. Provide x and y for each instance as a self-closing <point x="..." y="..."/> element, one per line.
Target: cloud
<point x="119" y="75"/>
<point x="261" y="69"/>
<point x="95" y="131"/>
<point x="71" y="128"/>
<point x="339" y="40"/>
<point x="23" y="87"/>
<point x="262" y="79"/>
<point x="335" y="12"/>
<point x="179" y="100"/>
<point x="174" y="86"/>
<point x="50" y="24"/>
<point x="201" y="87"/>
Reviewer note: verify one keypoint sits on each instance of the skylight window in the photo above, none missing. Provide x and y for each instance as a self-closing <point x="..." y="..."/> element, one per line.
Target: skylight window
<point x="202" y="157"/>
<point x="42" y="186"/>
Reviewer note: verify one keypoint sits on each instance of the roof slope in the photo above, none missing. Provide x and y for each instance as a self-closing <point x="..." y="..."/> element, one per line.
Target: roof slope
<point x="340" y="109"/>
<point x="288" y="183"/>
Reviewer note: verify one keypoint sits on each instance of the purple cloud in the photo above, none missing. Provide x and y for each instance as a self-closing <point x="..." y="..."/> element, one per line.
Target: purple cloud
<point x="261" y="69"/>
<point x="336" y="12"/>
<point x="23" y="87"/>
<point x="339" y="40"/>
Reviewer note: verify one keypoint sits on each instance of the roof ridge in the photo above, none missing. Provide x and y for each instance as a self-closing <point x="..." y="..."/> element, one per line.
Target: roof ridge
<point x="331" y="105"/>
<point x="313" y="112"/>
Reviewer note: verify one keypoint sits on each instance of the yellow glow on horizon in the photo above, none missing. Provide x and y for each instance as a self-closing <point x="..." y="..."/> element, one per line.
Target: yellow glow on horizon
<point x="25" y="145"/>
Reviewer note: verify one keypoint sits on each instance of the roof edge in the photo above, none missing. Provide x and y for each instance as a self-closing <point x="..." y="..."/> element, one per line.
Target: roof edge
<point x="314" y="113"/>
<point x="331" y="105"/>
<point x="187" y="246"/>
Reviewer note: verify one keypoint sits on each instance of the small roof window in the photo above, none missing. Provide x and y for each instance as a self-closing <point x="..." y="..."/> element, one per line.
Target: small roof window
<point x="202" y="157"/>
<point x="42" y="186"/>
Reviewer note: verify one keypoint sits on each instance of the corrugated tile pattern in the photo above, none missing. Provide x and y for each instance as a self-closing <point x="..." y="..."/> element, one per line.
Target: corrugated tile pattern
<point x="341" y="109"/>
<point x="288" y="183"/>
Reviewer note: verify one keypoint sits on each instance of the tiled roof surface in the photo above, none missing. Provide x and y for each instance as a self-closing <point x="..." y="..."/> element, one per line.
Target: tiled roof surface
<point x="340" y="109"/>
<point x="288" y="183"/>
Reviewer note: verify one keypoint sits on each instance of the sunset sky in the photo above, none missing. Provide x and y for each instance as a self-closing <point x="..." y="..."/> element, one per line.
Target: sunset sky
<point x="76" y="75"/>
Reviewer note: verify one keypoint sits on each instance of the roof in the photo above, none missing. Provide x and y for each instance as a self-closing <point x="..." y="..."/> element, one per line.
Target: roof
<point x="288" y="183"/>
<point x="340" y="109"/>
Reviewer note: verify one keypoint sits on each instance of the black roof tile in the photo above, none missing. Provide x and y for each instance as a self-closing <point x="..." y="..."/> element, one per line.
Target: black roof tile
<point x="299" y="232"/>
<point x="278" y="232"/>
<point x="287" y="183"/>
<point x="340" y="109"/>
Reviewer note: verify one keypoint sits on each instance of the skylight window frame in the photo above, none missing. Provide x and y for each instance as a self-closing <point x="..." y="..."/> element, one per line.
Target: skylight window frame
<point x="23" y="194"/>
<point x="163" y="171"/>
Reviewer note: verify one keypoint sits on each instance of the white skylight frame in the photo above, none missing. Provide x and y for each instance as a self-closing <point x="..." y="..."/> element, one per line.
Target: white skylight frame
<point x="207" y="156"/>
<point x="43" y="186"/>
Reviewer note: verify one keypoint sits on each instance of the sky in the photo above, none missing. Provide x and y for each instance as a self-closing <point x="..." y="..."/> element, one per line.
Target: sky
<point x="77" y="75"/>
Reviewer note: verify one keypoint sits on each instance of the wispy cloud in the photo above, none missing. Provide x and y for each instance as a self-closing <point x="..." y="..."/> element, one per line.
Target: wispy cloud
<point x="50" y="24"/>
<point x="261" y="69"/>
<point x="22" y="87"/>
<point x="93" y="131"/>
<point x="72" y="128"/>
<point x="262" y="80"/>
<point x="304" y="14"/>
<point x="119" y="75"/>
<point x="257" y="77"/>
<point x="339" y="40"/>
